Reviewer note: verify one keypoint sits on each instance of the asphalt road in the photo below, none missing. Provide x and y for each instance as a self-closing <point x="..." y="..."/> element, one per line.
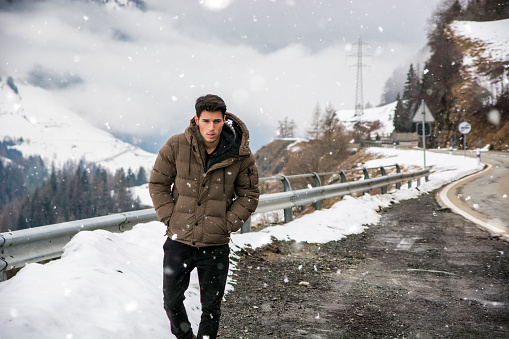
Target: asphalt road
<point x="422" y="272"/>
<point x="425" y="271"/>
<point x="483" y="198"/>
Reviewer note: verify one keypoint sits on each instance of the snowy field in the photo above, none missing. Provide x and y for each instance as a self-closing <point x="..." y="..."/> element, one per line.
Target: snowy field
<point x="108" y="285"/>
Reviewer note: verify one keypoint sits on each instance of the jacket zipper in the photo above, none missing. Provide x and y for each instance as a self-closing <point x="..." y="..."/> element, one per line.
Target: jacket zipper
<point x="190" y="154"/>
<point x="199" y="152"/>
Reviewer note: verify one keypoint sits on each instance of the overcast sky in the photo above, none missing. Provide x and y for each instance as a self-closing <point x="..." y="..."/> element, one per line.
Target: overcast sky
<point x="137" y="70"/>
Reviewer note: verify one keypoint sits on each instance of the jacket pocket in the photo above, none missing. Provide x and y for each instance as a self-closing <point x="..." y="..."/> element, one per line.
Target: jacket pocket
<point x="221" y="225"/>
<point x="252" y="173"/>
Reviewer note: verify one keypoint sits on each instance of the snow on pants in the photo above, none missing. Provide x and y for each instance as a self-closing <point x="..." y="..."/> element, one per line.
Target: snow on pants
<point x="212" y="265"/>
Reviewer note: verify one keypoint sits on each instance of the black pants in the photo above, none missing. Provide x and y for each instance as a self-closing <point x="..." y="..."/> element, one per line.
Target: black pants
<point x="212" y="264"/>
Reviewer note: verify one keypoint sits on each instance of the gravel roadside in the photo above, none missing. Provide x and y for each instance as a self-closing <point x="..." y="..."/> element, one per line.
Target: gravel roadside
<point x="422" y="272"/>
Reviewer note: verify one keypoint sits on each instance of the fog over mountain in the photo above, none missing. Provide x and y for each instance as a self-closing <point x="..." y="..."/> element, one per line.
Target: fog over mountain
<point x="59" y="135"/>
<point x="135" y="68"/>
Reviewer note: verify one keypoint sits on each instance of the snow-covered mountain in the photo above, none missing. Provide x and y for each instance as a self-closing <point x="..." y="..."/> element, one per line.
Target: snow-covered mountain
<point x="123" y="3"/>
<point x="384" y="114"/>
<point x="40" y="125"/>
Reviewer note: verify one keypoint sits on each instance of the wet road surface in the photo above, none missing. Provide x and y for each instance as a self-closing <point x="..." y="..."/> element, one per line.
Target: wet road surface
<point x="422" y="272"/>
<point x="485" y="196"/>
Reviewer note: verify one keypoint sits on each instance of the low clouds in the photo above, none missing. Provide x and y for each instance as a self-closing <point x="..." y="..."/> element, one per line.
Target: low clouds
<point x="48" y="79"/>
<point x="140" y="68"/>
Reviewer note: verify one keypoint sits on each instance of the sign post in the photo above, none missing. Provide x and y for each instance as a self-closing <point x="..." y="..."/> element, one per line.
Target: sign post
<point x="464" y="129"/>
<point x="426" y="116"/>
<point x="479" y="151"/>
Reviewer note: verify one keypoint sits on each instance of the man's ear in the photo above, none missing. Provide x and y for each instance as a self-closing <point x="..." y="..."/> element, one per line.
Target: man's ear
<point x="196" y="119"/>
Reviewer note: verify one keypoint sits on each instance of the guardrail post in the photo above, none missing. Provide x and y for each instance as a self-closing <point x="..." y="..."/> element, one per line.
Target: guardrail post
<point x="286" y="184"/>
<point x="318" y="183"/>
<point x="384" y="188"/>
<point x="410" y="183"/>
<point x="343" y="176"/>
<point x="3" y="263"/>
<point x="366" y="177"/>
<point x="246" y="227"/>
<point x="287" y="211"/>
<point x="398" y="170"/>
<point x="418" y="181"/>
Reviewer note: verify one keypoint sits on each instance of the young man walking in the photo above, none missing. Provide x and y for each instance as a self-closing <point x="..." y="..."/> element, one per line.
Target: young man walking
<point x="204" y="186"/>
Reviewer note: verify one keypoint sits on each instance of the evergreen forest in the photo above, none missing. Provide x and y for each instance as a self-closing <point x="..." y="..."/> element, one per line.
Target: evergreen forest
<point x="31" y="196"/>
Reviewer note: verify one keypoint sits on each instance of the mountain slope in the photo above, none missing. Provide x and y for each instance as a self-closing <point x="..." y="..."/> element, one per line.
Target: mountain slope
<point x="36" y="120"/>
<point x="485" y="77"/>
<point x="384" y="114"/>
<point x="485" y="53"/>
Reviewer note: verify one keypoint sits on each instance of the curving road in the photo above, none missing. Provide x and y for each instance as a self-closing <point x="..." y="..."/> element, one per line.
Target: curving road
<point x="484" y="197"/>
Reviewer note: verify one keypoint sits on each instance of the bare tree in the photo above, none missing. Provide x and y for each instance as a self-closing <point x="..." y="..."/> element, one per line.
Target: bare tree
<point x="329" y="124"/>
<point x="315" y="126"/>
<point x="286" y="128"/>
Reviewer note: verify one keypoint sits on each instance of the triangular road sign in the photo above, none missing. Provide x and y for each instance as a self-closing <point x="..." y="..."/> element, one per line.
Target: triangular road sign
<point x="428" y="116"/>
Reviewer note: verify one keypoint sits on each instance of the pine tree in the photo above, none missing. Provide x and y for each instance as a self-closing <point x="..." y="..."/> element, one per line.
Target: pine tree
<point x="120" y="191"/>
<point x="411" y="93"/>
<point x="141" y="178"/>
<point x="101" y="195"/>
<point x="399" y="115"/>
<point x="130" y="178"/>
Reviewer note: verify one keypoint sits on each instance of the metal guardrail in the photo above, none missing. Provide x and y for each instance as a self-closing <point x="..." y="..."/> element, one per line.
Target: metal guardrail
<point x="18" y="248"/>
<point x="379" y="143"/>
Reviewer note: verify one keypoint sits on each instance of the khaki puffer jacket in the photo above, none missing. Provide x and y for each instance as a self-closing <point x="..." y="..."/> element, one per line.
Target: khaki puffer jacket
<point x="195" y="198"/>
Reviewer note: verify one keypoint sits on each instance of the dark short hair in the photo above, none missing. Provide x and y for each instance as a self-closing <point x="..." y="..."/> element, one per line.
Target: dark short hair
<point x="209" y="103"/>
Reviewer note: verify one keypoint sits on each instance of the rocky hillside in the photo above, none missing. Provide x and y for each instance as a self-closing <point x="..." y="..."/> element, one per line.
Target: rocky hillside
<point x="298" y="156"/>
<point x="273" y="157"/>
<point x="467" y="75"/>
<point x="485" y="77"/>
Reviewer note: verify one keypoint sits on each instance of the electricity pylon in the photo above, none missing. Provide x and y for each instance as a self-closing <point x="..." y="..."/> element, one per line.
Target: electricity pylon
<point x="359" y="99"/>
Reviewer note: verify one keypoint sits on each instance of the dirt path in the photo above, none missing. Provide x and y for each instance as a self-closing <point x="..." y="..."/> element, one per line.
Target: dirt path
<point x="423" y="272"/>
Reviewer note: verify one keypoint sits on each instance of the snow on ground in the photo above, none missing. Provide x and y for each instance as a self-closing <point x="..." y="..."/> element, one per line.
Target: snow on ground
<point x="487" y="43"/>
<point x="141" y="192"/>
<point x="108" y="285"/>
<point x="384" y="114"/>
<point x="493" y="34"/>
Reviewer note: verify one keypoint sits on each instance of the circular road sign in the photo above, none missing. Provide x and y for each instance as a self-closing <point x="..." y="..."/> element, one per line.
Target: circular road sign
<point x="464" y="127"/>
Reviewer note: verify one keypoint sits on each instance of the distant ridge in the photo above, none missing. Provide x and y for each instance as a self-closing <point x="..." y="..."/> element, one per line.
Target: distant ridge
<point x="41" y="125"/>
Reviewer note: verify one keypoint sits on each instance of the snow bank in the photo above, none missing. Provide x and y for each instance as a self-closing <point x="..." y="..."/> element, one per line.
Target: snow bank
<point x="108" y="285"/>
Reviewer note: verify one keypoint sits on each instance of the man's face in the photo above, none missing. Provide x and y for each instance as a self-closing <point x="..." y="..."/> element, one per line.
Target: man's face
<point x="211" y="125"/>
